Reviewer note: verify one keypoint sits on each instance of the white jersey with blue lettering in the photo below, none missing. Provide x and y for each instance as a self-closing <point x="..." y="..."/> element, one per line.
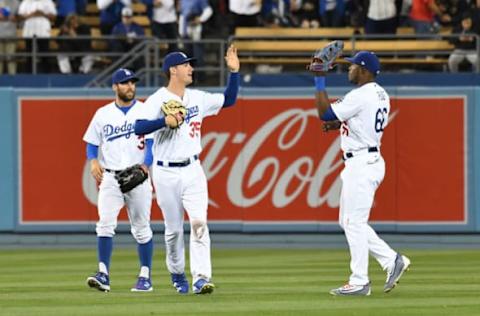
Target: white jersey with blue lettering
<point x="364" y="114"/>
<point x="185" y="141"/>
<point x="179" y="180"/>
<point x="113" y="131"/>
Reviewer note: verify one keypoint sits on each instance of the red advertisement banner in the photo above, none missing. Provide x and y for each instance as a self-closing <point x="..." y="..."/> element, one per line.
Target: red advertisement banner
<point x="267" y="160"/>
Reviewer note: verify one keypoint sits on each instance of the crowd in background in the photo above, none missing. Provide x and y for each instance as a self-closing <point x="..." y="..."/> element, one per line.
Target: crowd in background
<point x="196" y="19"/>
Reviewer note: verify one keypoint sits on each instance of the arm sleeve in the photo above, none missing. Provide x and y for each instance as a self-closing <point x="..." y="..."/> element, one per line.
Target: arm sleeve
<point x="148" y="152"/>
<point x="92" y="151"/>
<point x="231" y="90"/>
<point x="329" y="115"/>
<point x="143" y="127"/>
<point x="151" y="118"/>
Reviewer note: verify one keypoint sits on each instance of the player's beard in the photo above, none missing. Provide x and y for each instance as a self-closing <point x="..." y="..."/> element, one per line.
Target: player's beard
<point x="126" y="96"/>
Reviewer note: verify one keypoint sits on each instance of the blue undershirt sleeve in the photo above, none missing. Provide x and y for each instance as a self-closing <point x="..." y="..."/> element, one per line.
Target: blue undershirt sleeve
<point x="92" y="151"/>
<point x="148" y="153"/>
<point x="231" y="90"/>
<point x="143" y="127"/>
<point x="329" y="115"/>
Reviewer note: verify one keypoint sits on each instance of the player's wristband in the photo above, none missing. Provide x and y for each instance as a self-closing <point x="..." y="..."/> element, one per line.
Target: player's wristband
<point x="320" y="83"/>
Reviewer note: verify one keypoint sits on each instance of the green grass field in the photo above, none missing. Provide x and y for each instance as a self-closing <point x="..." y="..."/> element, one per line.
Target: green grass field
<point x="249" y="282"/>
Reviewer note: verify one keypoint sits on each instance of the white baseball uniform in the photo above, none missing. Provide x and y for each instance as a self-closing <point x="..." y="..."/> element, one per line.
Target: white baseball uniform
<point x="364" y="114"/>
<point x="179" y="180"/>
<point x="113" y="131"/>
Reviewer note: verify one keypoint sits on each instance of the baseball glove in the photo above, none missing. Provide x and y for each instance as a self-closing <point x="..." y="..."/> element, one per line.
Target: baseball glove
<point x="174" y="108"/>
<point x="324" y="58"/>
<point x="130" y="178"/>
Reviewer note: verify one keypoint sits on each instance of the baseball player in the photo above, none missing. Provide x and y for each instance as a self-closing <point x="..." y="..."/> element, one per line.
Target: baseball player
<point x="112" y="147"/>
<point x="179" y="180"/>
<point x="362" y="116"/>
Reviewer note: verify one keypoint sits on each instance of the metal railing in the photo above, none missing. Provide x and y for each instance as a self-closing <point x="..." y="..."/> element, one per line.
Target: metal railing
<point x="355" y="41"/>
<point x="152" y="50"/>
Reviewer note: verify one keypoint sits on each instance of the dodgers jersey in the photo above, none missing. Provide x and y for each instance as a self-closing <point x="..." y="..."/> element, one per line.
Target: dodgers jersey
<point x="364" y="114"/>
<point x="113" y="131"/>
<point x="185" y="141"/>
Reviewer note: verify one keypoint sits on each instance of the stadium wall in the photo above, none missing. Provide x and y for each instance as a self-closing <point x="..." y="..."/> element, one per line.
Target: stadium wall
<point x="270" y="167"/>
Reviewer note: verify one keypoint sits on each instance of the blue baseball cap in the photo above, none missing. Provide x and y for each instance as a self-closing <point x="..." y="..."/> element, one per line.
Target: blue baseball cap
<point x="174" y="59"/>
<point x="366" y="59"/>
<point x="123" y="75"/>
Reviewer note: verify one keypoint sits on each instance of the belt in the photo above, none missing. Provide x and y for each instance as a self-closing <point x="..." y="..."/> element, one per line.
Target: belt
<point x="351" y="154"/>
<point x="112" y="171"/>
<point x="182" y="163"/>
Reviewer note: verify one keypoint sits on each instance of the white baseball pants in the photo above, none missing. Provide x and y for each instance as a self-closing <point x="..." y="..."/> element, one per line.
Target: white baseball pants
<point x="181" y="189"/>
<point x="138" y="202"/>
<point x="360" y="179"/>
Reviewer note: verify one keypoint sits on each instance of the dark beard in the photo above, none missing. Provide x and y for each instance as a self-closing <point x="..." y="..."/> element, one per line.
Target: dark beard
<point x="124" y="97"/>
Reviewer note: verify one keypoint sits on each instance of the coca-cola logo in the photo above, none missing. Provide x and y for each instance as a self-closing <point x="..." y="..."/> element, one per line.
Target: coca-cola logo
<point x="309" y="172"/>
<point x="252" y="165"/>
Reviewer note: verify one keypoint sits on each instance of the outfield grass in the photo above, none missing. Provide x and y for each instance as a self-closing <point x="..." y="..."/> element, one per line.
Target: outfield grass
<point x="249" y="282"/>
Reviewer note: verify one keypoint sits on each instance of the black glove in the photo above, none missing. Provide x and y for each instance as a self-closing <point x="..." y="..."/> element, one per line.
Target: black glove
<point x="130" y="178"/>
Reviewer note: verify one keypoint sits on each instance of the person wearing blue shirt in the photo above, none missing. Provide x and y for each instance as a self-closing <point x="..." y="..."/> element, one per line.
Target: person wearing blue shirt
<point x="127" y="34"/>
<point x="110" y="13"/>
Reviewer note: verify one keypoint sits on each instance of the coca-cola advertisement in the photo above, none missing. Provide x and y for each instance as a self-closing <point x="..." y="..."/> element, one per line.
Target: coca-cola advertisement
<point x="267" y="160"/>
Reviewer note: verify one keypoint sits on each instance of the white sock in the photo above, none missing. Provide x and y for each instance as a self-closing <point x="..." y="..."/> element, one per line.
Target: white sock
<point x="144" y="272"/>
<point x="102" y="268"/>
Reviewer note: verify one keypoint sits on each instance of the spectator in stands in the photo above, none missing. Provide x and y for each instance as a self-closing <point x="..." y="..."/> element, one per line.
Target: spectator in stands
<point x="381" y="17"/>
<point x="280" y="10"/>
<point x="465" y="44"/>
<point x="245" y="13"/>
<point x="218" y="26"/>
<point x="355" y="14"/>
<point x="111" y="13"/>
<point x="403" y="8"/>
<point x="163" y="17"/>
<point x="422" y="16"/>
<point x="71" y="28"/>
<point x="67" y="7"/>
<point x="193" y="13"/>
<point x="453" y="8"/>
<point x="8" y="28"/>
<point x="307" y="14"/>
<point x="127" y="34"/>
<point x="332" y="13"/>
<point x="38" y="16"/>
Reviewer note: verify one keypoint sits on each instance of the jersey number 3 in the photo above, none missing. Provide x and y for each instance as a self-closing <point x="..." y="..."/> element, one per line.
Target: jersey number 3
<point x="380" y="119"/>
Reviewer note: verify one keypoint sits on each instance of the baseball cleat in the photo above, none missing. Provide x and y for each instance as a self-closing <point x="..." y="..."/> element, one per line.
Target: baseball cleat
<point x="393" y="276"/>
<point x="352" y="290"/>
<point x="99" y="281"/>
<point x="180" y="283"/>
<point x="203" y="286"/>
<point x="143" y="285"/>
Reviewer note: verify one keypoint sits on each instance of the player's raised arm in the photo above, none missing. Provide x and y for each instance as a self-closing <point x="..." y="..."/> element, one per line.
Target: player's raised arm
<point x="233" y="84"/>
<point x="322" y="61"/>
